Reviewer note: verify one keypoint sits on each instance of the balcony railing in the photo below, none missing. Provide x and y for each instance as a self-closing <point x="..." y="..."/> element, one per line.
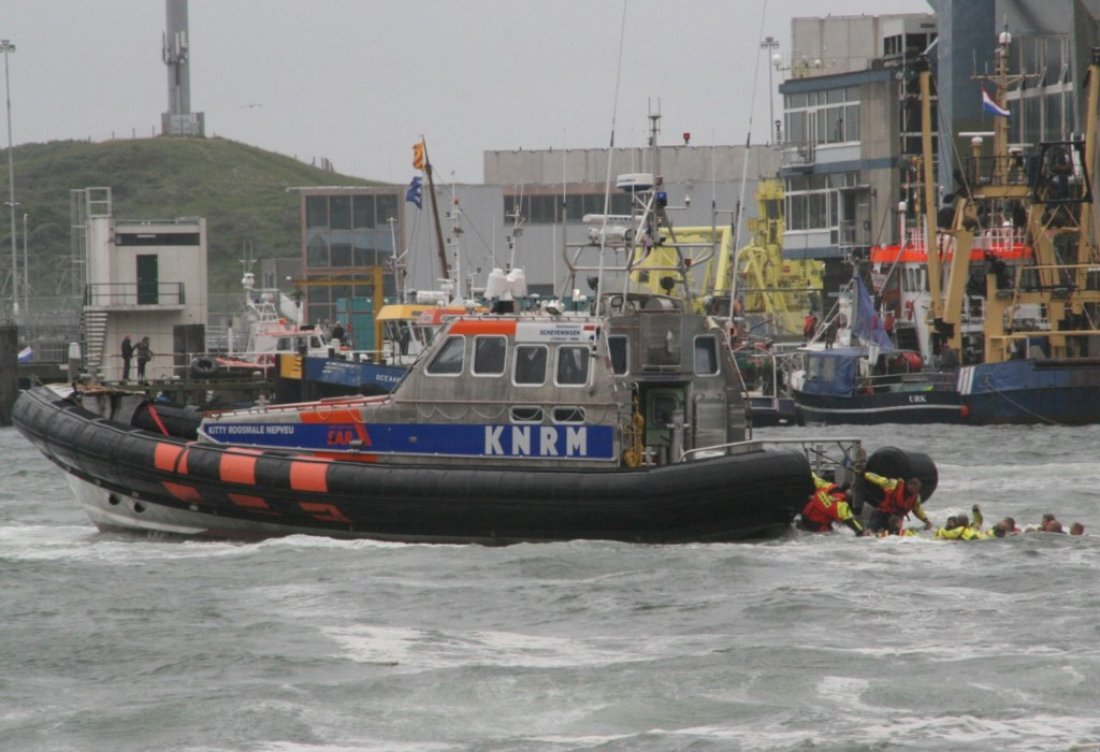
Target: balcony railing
<point x="115" y="294"/>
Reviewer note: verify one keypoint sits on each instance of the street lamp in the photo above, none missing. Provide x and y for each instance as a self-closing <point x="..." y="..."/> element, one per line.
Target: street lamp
<point x="6" y="47"/>
<point x="770" y="43"/>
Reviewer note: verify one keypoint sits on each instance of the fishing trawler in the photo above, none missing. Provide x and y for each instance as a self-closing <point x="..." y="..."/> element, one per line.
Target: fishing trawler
<point x="623" y="420"/>
<point x="862" y="378"/>
<point x="1005" y="314"/>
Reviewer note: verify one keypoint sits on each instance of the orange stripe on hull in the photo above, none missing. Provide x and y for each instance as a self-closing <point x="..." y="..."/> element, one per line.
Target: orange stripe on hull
<point x="166" y="456"/>
<point x="346" y="456"/>
<point x="330" y="414"/>
<point x="309" y="476"/>
<point x="182" y="492"/>
<point x="912" y="254"/>
<point x="238" y="466"/>
<point x="254" y="503"/>
<point x="323" y="512"/>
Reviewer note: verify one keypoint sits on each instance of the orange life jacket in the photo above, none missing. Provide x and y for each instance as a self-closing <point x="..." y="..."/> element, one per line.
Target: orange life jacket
<point x="822" y="508"/>
<point x="896" y="501"/>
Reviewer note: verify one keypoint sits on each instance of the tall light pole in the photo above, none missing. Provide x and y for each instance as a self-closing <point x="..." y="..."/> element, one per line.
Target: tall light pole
<point x="26" y="266"/>
<point x="6" y="47"/>
<point x="770" y="43"/>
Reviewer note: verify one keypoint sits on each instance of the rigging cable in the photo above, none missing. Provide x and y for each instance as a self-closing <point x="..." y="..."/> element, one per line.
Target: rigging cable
<point x="610" y="155"/>
<point x="740" y="209"/>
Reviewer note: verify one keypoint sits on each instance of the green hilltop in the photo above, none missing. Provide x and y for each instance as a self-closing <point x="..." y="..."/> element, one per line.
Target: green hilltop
<point x="240" y="190"/>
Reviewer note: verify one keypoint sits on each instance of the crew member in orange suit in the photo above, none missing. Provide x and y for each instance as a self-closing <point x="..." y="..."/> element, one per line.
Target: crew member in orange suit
<point x="828" y="504"/>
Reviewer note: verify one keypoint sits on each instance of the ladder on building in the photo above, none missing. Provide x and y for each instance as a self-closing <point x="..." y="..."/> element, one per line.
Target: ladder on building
<point x="93" y="325"/>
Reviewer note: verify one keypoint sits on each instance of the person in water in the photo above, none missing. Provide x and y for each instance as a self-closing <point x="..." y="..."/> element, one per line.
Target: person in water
<point x="899" y="497"/>
<point x="1045" y="524"/>
<point x="895" y="525"/>
<point x="960" y="527"/>
<point x="828" y="504"/>
<point x="1077" y="529"/>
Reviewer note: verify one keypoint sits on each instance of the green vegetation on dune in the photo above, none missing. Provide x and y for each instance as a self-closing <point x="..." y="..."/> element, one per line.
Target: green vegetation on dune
<point x="240" y="190"/>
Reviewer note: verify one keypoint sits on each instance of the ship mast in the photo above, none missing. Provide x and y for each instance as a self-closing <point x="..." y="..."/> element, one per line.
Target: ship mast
<point x="435" y="209"/>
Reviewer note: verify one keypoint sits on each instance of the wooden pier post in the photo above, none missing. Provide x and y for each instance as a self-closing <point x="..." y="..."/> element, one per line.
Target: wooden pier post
<point x="74" y="362"/>
<point x="9" y="370"/>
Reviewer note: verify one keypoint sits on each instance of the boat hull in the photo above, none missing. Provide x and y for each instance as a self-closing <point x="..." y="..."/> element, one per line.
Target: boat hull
<point x="889" y="407"/>
<point x="1065" y="392"/>
<point x="130" y="478"/>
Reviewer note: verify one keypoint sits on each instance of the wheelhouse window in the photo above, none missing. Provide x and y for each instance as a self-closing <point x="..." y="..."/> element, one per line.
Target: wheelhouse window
<point x="706" y="355"/>
<point x="572" y="366"/>
<point x="448" y="361"/>
<point x="530" y="367"/>
<point x="489" y="355"/>
<point x="813" y="367"/>
<point x="617" y="346"/>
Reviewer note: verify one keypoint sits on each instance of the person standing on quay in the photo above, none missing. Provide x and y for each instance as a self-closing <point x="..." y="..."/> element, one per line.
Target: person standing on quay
<point x="127" y="356"/>
<point x="144" y="354"/>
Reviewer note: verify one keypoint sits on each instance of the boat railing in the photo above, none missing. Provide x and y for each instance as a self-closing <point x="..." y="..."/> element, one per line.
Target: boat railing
<point x="111" y="294"/>
<point x="1014" y="169"/>
<point x="1057" y="279"/>
<point x="1000" y="240"/>
<point x="195" y="365"/>
<point x="918" y="381"/>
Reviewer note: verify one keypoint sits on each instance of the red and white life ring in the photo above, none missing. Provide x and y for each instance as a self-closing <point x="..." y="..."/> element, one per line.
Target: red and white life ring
<point x="909" y="310"/>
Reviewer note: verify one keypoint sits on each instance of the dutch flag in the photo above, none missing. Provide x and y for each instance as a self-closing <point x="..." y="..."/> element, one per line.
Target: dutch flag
<point x="991" y="107"/>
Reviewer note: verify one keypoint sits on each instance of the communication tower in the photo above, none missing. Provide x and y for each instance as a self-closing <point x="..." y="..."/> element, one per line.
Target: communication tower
<point x="179" y="120"/>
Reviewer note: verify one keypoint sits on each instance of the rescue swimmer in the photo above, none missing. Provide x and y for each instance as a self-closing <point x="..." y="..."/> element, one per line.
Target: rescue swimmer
<point x="900" y="497"/>
<point x="828" y="504"/>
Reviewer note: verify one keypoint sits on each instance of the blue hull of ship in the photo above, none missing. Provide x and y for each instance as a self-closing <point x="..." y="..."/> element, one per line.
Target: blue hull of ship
<point x="1032" y="391"/>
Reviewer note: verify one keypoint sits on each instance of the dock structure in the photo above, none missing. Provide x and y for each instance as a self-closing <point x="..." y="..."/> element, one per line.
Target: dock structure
<point x="9" y="370"/>
<point x="208" y="393"/>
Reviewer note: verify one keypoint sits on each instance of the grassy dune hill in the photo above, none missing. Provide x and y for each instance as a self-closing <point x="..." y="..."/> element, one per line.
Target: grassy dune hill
<point x="240" y="189"/>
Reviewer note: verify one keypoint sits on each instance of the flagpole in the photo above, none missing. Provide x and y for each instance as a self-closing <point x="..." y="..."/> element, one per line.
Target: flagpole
<point x="435" y="210"/>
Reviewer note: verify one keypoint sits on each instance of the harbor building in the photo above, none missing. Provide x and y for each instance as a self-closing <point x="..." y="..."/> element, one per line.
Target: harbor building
<point x="145" y="278"/>
<point x="848" y="120"/>
<point x="851" y="109"/>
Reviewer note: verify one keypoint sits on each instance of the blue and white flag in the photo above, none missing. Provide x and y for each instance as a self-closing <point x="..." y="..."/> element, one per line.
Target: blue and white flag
<point x="867" y="325"/>
<point x="991" y="107"/>
<point x="415" y="193"/>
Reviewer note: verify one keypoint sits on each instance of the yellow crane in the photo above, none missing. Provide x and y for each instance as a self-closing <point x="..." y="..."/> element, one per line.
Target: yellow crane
<point x="768" y="288"/>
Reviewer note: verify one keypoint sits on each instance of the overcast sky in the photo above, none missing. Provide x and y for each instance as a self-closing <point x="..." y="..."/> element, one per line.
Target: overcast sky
<point x="359" y="81"/>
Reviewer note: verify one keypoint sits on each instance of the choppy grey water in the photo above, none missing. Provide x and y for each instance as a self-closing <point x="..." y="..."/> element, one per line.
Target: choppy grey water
<point x="111" y="642"/>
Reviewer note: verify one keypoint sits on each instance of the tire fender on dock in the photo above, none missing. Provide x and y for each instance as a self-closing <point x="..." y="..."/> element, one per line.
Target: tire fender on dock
<point x="203" y="367"/>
